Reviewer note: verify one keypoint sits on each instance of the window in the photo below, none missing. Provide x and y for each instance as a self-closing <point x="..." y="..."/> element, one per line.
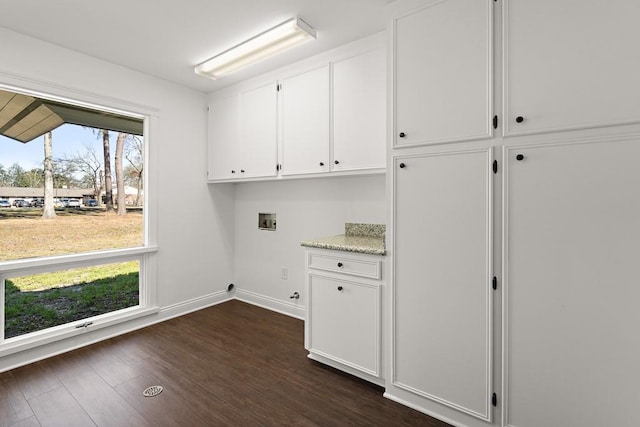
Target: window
<point x="74" y="238"/>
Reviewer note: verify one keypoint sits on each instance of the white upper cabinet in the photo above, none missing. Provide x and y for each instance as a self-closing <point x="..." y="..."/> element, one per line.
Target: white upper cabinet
<point x="223" y="137"/>
<point x="570" y="64"/>
<point x="442" y="65"/>
<point x="324" y="115"/>
<point x="258" y="154"/>
<point x="359" y="112"/>
<point x="305" y="122"/>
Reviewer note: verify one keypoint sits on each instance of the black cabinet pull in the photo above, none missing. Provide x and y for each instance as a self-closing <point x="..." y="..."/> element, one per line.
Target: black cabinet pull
<point x="402" y="165"/>
<point x="519" y="119"/>
<point x="340" y="288"/>
<point x="336" y="162"/>
<point x="321" y="163"/>
<point x="241" y="170"/>
<point x="402" y="134"/>
<point x="519" y="157"/>
<point x="340" y="264"/>
<point x="233" y="171"/>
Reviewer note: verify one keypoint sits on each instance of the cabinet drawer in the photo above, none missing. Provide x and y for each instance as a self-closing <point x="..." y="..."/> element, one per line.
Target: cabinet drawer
<point x="355" y="267"/>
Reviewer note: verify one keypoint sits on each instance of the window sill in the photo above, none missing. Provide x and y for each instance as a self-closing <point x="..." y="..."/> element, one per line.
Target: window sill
<point x="69" y="330"/>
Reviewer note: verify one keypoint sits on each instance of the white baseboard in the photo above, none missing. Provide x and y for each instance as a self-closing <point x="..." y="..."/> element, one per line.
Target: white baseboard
<point x="387" y="394"/>
<point x="279" y="306"/>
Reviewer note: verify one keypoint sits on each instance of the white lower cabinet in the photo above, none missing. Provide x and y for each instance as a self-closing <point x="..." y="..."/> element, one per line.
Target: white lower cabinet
<point x="344" y="316"/>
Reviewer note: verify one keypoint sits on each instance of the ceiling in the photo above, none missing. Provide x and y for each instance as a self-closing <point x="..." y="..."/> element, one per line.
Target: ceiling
<point x="167" y="39"/>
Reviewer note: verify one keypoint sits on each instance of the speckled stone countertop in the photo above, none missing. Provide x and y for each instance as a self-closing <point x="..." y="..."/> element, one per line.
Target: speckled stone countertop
<point x="360" y="238"/>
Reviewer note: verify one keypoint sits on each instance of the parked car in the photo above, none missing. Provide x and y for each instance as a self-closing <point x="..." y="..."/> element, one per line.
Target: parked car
<point x="37" y="203"/>
<point x="20" y="203"/>
<point x="73" y="203"/>
<point x="91" y="203"/>
<point x="5" y="204"/>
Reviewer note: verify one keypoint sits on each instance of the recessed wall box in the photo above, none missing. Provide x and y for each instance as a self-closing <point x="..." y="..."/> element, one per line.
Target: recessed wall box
<point x="267" y="221"/>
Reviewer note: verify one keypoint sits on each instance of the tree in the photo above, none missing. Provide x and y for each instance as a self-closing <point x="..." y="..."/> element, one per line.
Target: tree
<point x="34" y="178"/>
<point x="49" y="210"/>
<point x="4" y="177"/>
<point x="89" y="165"/>
<point x="15" y="175"/>
<point x="122" y="208"/>
<point x="134" y="152"/>
<point x="108" y="186"/>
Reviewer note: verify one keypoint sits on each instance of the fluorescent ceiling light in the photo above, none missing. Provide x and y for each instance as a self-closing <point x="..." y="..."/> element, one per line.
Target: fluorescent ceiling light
<point x="289" y="34"/>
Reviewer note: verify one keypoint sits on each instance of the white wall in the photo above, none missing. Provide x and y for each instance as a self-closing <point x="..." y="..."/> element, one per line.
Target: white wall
<point x="204" y="232"/>
<point x="306" y="209"/>
<point x="195" y="225"/>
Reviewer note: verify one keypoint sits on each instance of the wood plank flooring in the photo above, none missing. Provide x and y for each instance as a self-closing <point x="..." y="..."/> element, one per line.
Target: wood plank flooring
<point x="233" y="364"/>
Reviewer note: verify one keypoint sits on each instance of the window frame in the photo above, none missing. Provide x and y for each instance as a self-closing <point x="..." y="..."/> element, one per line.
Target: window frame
<point x="146" y="254"/>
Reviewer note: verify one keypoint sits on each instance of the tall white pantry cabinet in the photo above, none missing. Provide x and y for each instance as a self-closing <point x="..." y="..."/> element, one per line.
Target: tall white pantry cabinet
<point x="514" y="193"/>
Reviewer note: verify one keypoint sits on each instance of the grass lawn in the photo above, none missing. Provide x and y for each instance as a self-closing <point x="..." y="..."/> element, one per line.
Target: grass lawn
<point x="40" y="301"/>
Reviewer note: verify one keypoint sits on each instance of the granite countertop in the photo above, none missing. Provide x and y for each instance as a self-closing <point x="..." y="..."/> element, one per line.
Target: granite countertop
<point x="360" y="238"/>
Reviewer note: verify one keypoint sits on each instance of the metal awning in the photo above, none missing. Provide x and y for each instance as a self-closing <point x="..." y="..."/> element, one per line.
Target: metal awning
<point x="24" y="118"/>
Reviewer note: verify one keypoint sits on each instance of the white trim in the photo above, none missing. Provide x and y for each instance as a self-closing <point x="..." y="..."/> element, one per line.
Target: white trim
<point x="419" y="408"/>
<point x="83" y="98"/>
<point x="289" y="309"/>
<point x="318" y="357"/>
<point x="68" y="330"/>
<point x="61" y="262"/>
<point x="280" y="177"/>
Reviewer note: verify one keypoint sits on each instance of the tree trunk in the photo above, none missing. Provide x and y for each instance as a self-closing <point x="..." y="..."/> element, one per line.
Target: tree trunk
<point x="108" y="186"/>
<point x="139" y="188"/>
<point x="122" y="207"/>
<point x="49" y="211"/>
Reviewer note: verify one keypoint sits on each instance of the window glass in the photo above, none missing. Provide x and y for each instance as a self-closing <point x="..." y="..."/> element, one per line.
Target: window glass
<point x="40" y="301"/>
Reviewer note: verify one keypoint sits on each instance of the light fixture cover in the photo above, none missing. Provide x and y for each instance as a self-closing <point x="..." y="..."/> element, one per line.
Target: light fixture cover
<point x="290" y="33"/>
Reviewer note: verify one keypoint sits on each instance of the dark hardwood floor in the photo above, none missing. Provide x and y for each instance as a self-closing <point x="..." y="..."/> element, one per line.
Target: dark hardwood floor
<point x="233" y="364"/>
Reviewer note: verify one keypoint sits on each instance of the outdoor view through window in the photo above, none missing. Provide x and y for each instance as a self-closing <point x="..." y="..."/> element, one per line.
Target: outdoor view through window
<point x="71" y="181"/>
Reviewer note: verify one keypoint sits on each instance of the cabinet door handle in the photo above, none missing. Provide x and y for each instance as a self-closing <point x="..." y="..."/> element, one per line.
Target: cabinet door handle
<point x="402" y="165"/>
<point x="336" y="162"/>
<point x="321" y="163"/>
<point x="232" y="171"/>
<point x="519" y="157"/>
<point x="241" y="170"/>
<point x="340" y="264"/>
<point x="519" y="119"/>
<point x="402" y="134"/>
<point x="340" y="288"/>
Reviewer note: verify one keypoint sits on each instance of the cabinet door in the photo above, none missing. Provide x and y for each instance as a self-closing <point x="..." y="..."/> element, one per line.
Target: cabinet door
<point x="442" y="57"/>
<point x="580" y="71"/>
<point x="305" y="122"/>
<point x="359" y="112"/>
<point x="571" y="289"/>
<point x="442" y="278"/>
<point x="223" y="137"/>
<point x="344" y="321"/>
<point x="258" y="154"/>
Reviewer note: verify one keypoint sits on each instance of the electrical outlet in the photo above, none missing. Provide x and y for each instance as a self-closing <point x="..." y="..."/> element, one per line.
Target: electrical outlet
<point x="284" y="273"/>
